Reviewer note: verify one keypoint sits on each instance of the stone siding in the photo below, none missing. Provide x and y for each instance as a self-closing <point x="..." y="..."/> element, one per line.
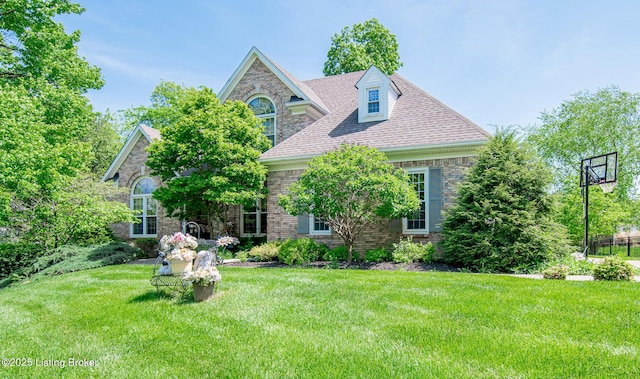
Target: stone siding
<point x="259" y="80"/>
<point x="281" y="225"/>
<point x="134" y="168"/>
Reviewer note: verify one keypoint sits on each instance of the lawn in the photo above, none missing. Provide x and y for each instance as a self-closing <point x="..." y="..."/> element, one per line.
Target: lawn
<point x="319" y="323"/>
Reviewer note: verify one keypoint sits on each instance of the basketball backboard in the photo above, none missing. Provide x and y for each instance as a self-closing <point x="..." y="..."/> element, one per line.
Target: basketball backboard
<point x="602" y="169"/>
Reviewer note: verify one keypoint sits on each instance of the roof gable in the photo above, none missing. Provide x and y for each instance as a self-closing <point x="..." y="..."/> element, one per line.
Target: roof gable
<point x="138" y="132"/>
<point x="298" y="87"/>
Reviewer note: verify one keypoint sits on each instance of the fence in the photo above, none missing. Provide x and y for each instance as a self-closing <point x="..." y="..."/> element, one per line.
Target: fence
<point x="629" y="246"/>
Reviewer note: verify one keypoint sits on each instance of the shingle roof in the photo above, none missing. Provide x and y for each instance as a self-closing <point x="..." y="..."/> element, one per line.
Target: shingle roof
<point x="417" y="120"/>
<point x="310" y="93"/>
<point x="154" y="134"/>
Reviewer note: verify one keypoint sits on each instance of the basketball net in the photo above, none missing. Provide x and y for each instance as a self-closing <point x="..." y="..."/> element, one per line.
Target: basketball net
<point x="608" y="187"/>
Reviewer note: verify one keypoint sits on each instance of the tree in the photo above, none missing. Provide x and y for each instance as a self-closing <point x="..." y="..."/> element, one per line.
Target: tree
<point x="349" y="189"/>
<point x="357" y="48"/>
<point x="81" y="211"/>
<point x="46" y="126"/>
<point x="208" y="158"/>
<point x="164" y="109"/>
<point x="105" y="143"/>
<point x="588" y="125"/>
<point x="36" y="50"/>
<point x="606" y="213"/>
<point x="501" y="220"/>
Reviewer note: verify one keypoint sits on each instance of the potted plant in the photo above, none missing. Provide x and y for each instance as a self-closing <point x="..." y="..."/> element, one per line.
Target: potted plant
<point x="203" y="280"/>
<point x="180" y="251"/>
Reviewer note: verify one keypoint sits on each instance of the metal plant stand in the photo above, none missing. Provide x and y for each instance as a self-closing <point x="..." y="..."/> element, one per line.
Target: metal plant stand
<point x="169" y="281"/>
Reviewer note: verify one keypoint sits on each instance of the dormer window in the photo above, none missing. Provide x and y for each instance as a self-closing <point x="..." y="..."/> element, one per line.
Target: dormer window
<point x="377" y="95"/>
<point x="373" y="104"/>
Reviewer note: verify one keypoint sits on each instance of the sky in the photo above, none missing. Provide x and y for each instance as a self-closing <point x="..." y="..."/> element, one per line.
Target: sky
<point x="497" y="62"/>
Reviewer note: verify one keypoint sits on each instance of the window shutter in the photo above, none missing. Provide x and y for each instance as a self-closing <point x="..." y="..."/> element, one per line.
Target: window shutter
<point x="435" y="199"/>
<point x="303" y="223"/>
<point x="395" y="225"/>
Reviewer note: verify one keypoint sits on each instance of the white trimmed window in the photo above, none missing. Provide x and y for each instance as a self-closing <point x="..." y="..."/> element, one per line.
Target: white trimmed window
<point x="264" y="109"/>
<point x="373" y="103"/>
<point x="318" y="226"/>
<point x="145" y="207"/>
<point x="418" y="222"/>
<point x="254" y="219"/>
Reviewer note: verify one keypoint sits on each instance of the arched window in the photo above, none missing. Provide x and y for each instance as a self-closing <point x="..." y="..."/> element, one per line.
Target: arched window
<point x="146" y="208"/>
<point x="265" y="110"/>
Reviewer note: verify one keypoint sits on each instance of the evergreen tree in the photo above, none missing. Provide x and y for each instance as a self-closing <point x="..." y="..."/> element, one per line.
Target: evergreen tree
<point x="501" y="220"/>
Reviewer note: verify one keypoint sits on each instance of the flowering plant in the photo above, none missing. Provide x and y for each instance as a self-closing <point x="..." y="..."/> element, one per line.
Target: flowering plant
<point x="227" y="240"/>
<point x="204" y="276"/>
<point x="180" y="245"/>
<point x="181" y="255"/>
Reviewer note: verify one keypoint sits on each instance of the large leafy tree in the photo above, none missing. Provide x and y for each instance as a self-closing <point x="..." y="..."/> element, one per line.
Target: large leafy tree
<point x="349" y="189"/>
<point x="501" y="220"/>
<point x="163" y="111"/>
<point x="359" y="47"/>
<point x="592" y="124"/>
<point x="208" y="157"/>
<point x="46" y="122"/>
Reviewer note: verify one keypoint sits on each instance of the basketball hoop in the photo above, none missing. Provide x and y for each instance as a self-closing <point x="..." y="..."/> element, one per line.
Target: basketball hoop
<point x="608" y="187"/>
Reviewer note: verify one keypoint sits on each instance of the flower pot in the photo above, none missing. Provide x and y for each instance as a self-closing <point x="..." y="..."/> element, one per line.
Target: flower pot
<point x="178" y="267"/>
<point x="203" y="293"/>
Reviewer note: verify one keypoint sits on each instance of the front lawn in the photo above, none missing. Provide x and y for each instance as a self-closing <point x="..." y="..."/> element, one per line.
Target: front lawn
<point x="312" y="323"/>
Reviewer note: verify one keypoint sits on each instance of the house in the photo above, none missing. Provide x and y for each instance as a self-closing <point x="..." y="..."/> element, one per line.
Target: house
<point x="304" y="119"/>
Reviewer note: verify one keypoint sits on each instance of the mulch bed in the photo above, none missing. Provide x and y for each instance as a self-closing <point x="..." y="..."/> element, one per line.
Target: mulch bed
<point x="353" y="266"/>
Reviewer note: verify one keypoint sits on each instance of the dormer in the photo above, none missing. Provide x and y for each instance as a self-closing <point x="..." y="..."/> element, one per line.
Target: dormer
<point x="377" y="95"/>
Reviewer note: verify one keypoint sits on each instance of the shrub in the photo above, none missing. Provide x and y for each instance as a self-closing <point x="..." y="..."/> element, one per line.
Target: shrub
<point x="378" y="255"/>
<point x="148" y="245"/>
<point x="556" y="272"/>
<point x="577" y="266"/>
<point x="407" y="251"/>
<point x="340" y="253"/>
<point x="613" y="268"/>
<point x="266" y="252"/>
<point x="300" y="251"/>
<point x="16" y="256"/>
<point x="70" y="258"/>
<point x="242" y="255"/>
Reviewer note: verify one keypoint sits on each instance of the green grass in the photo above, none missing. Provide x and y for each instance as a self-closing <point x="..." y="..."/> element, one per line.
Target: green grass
<point x="312" y="323"/>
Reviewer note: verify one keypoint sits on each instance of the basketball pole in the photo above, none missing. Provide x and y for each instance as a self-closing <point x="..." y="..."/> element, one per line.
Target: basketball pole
<point x="587" y="181"/>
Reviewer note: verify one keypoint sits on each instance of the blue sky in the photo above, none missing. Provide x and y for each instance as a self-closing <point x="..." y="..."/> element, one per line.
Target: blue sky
<point x="497" y="62"/>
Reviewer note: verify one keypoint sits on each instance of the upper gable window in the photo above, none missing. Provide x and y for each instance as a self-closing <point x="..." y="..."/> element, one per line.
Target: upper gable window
<point x="373" y="105"/>
<point x="265" y="110"/>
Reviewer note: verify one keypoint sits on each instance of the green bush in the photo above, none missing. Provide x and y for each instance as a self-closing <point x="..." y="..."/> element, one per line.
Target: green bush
<point x="379" y="254"/>
<point x="266" y="252"/>
<point x="300" y="251"/>
<point x="556" y="272"/>
<point x="407" y="251"/>
<point x="339" y="253"/>
<point x="613" y="268"/>
<point x="242" y="255"/>
<point x="148" y="245"/>
<point x="70" y="258"/>
<point x="577" y="266"/>
<point x="16" y="256"/>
